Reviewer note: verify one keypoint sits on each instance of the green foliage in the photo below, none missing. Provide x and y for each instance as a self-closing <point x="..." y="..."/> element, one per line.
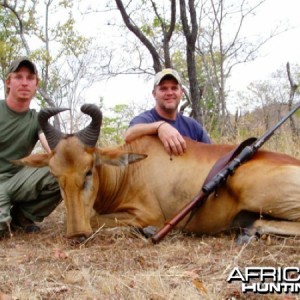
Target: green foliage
<point x="52" y="41"/>
<point x="208" y="101"/>
<point x="156" y="23"/>
<point x="10" y="44"/>
<point x="65" y="34"/>
<point x="114" y="127"/>
<point x="147" y="30"/>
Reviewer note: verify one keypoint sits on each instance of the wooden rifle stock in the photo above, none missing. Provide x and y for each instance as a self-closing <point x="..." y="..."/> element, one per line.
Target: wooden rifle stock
<point x="224" y="167"/>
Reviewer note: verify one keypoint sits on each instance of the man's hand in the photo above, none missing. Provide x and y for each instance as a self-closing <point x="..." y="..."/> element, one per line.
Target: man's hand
<point x="171" y="139"/>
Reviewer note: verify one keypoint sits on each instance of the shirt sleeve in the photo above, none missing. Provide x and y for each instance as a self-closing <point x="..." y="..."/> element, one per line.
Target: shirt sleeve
<point x="205" y="138"/>
<point x="202" y="135"/>
<point x="143" y="118"/>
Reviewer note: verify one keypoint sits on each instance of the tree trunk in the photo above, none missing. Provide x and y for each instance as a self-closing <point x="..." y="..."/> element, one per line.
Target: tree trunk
<point x="191" y="36"/>
<point x="293" y="88"/>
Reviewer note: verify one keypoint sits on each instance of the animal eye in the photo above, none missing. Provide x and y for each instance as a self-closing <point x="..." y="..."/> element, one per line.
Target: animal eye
<point x="88" y="173"/>
<point x="87" y="180"/>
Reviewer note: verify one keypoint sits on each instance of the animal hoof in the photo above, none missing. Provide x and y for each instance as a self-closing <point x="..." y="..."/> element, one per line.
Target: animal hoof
<point x="245" y="239"/>
<point x="77" y="240"/>
<point x="149" y="231"/>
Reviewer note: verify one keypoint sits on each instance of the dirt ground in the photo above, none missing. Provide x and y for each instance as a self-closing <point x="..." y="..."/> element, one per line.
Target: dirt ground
<point x="122" y="264"/>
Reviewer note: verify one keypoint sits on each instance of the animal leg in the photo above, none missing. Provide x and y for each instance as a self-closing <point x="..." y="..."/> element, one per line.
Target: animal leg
<point x="276" y="227"/>
<point x="115" y="220"/>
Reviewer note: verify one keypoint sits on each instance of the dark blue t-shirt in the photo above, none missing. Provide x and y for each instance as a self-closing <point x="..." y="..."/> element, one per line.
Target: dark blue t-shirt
<point x="186" y="126"/>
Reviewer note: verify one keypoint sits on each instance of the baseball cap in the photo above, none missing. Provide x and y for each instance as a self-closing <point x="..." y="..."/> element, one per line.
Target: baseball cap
<point x="166" y="72"/>
<point x="22" y="61"/>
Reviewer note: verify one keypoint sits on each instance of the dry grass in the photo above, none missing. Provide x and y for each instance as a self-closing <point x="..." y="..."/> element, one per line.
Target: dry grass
<point x="122" y="264"/>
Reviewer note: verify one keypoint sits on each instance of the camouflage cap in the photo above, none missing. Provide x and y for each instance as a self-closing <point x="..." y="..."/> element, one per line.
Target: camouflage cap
<point x="22" y="61"/>
<point x="166" y="72"/>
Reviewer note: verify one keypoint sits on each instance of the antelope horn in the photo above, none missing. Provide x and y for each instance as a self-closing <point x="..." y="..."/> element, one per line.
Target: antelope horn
<point x="53" y="135"/>
<point x="90" y="134"/>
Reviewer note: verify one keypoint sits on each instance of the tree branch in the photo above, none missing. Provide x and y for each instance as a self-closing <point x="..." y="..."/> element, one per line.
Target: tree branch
<point x="138" y="33"/>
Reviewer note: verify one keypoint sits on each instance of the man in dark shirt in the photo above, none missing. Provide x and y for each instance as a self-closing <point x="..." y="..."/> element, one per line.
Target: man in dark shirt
<point x="164" y="119"/>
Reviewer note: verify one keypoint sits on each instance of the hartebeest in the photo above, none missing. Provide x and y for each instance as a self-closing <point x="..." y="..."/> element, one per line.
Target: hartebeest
<point x="104" y="186"/>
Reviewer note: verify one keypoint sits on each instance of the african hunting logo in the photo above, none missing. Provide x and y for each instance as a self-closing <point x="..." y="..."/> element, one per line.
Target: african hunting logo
<point x="267" y="280"/>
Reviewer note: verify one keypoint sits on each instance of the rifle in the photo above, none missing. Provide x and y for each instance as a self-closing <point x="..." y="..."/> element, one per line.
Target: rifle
<point x="219" y="173"/>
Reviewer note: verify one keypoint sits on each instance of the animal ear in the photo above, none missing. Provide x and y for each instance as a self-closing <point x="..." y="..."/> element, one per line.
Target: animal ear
<point x="33" y="160"/>
<point x="119" y="158"/>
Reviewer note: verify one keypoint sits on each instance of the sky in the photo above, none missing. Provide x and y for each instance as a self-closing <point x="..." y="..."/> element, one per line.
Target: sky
<point x="278" y="51"/>
<point x="273" y="56"/>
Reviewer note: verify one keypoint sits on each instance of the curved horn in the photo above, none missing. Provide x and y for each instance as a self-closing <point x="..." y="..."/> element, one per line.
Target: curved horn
<point x="90" y="134"/>
<point x="53" y="135"/>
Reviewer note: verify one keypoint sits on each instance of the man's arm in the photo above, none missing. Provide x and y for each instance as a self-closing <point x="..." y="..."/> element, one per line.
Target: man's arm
<point x="139" y="130"/>
<point x="44" y="142"/>
<point x="170" y="137"/>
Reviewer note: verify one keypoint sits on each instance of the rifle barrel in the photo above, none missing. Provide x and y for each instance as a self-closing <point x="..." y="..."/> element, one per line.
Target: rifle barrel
<point x="270" y="131"/>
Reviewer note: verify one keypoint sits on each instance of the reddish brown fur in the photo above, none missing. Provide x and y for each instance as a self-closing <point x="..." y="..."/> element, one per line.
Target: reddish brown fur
<point x="151" y="191"/>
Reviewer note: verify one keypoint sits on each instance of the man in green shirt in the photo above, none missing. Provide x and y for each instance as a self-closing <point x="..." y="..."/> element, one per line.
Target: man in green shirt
<point x="27" y="195"/>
